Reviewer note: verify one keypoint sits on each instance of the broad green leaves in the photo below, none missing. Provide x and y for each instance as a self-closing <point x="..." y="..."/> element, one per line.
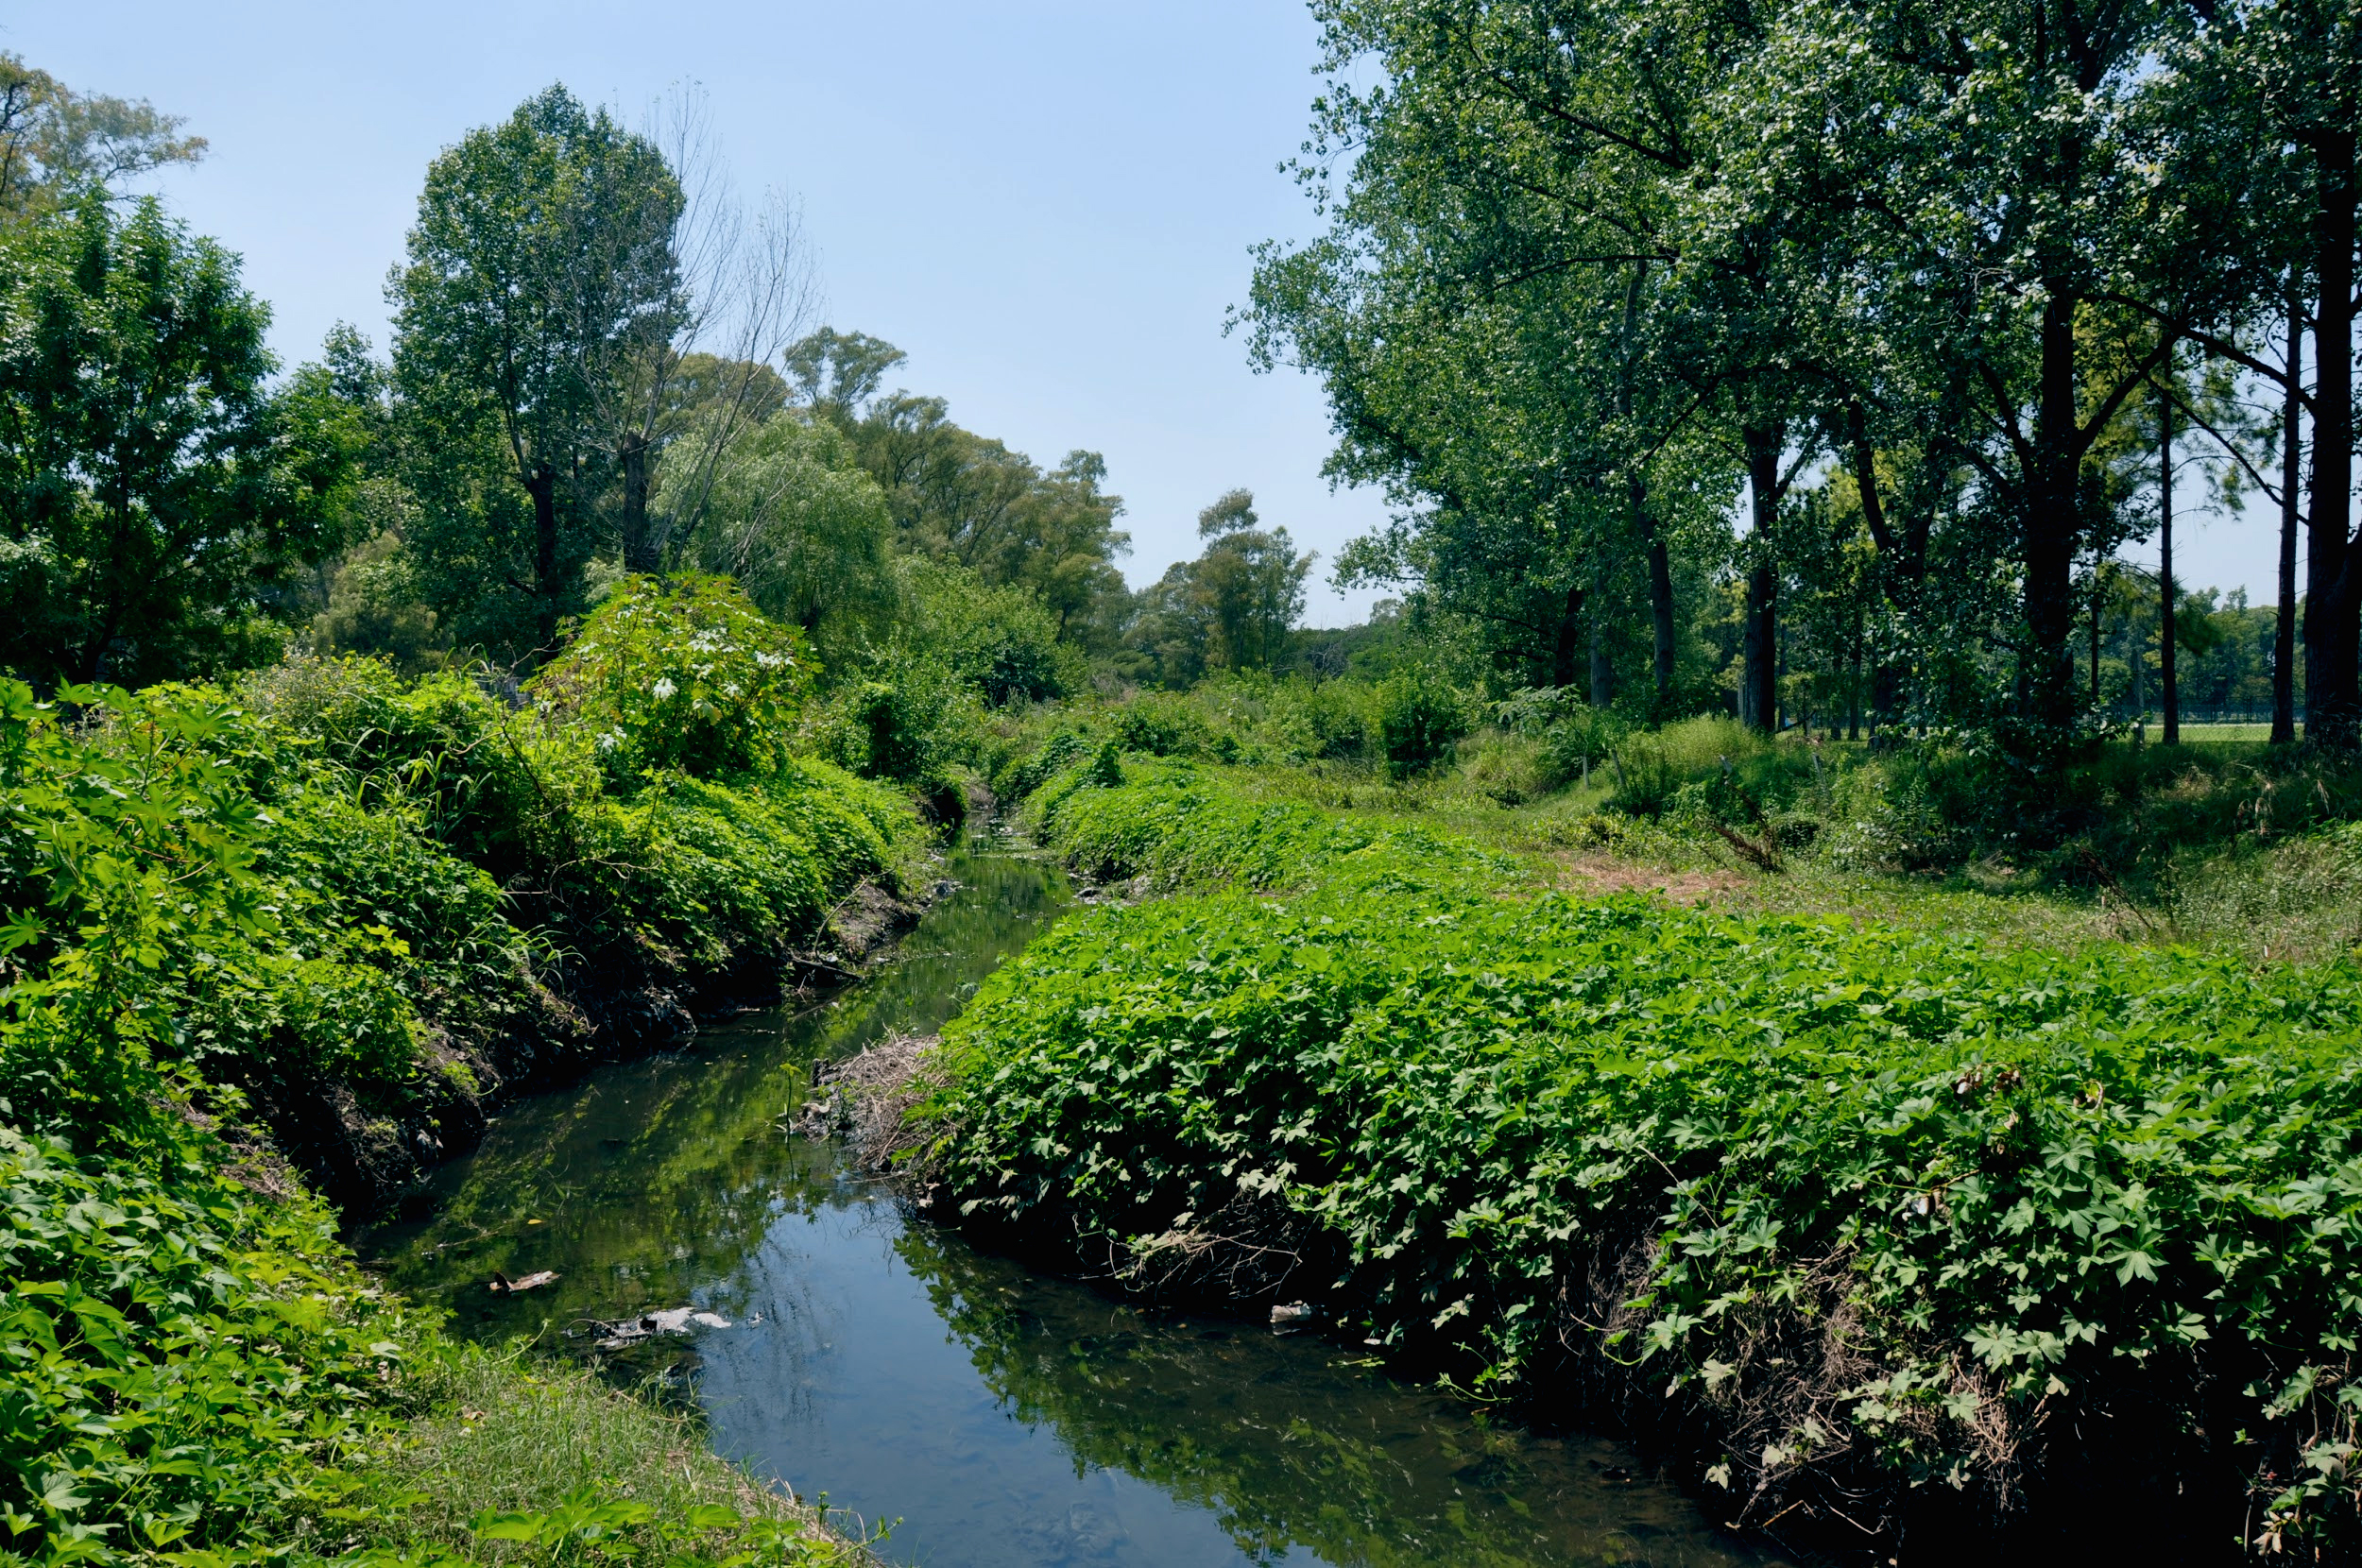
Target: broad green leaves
<point x="1516" y="1128"/>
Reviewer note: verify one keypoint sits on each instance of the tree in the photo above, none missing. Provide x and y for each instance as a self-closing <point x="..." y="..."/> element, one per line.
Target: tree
<point x="963" y="498"/>
<point x="1515" y="227"/>
<point x="682" y="380"/>
<point x="154" y="495"/>
<point x="541" y="261"/>
<point x="840" y="373"/>
<point x="803" y="528"/>
<point x="2014" y="191"/>
<point x="1251" y="582"/>
<point x="2302" y="60"/>
<point x="1231" y="608"/>
<point x="57" y="144"/>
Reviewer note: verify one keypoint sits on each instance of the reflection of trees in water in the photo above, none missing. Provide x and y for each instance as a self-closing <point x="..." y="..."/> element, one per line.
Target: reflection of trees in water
<point x="1286" y="1443"/>
<point x="659" y="1177"/>
<point x="668" y="1177"/>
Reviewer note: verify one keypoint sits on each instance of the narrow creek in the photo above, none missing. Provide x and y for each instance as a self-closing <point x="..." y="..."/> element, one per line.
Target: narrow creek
<point x="992" y="1414"/>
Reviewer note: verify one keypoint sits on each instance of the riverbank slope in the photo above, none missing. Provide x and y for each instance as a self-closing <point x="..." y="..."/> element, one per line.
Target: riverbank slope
<point x="280" y="946"/>
<point x="1920" y="1242"/>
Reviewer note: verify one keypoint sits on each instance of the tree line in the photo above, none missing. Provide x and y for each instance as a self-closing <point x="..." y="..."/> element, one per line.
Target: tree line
<point x="1847" y="340"/>
<point x="600" y="364"/>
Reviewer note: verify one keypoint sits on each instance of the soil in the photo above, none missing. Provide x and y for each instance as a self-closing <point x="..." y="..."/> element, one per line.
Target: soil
<point x="1598" y="874"/>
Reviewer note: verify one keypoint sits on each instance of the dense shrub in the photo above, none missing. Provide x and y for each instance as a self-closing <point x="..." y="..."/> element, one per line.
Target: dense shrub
<point x="144" y="945"/>
<point x="1329" y="723"/>
<point x="1651" y="766"/>
<point x="1574" y="735"/>
<point x="1170" y="823"/>
<point x="1867" y="1220"/>
<point x="180" y="1361"/>
<point x="1420" y="717"/>
<point x="908" y="717"/>
<point x="338" y="907"/>
<point x="348" y="906"/>
<point x="1163" y="723"/>
<point x="681" y="674"/>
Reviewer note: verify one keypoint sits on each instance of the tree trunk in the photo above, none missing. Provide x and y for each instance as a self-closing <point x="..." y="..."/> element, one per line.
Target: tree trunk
<point x="1567" y="641"/>
<point x="2045" y="675"/>
<point x="2291" y="475"/>
<point x="2168" y="693"/>
<point x="1637" y="493"/>
<point x="640" y="548"/>
<point x="2099" y="603"/>
<point x="1660" y="595"/>
<point x="1853" y="685"/>
<point x="1602" y="662"/>
<point x="2332" y="707"/>
<point x="546" y="591"/>
<point x="1759" y="690"/>
<point x="1899" y="568"/>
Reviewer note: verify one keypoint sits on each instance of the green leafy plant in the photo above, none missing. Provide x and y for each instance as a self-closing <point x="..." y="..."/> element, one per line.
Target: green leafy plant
<point x="1888" y="1217"/>
<point x="679" y="674"/>
<point x="1420" y="717"/>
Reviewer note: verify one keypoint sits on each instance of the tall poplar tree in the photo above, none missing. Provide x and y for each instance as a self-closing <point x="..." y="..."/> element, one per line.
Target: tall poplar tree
<point x="542" y="259"/>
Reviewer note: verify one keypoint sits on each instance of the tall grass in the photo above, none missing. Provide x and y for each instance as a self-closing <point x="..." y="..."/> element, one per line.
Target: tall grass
<point x="520" y="1437"/>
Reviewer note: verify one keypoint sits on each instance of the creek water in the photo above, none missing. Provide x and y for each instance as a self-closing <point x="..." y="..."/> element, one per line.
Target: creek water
<point x="991" y="1414"/>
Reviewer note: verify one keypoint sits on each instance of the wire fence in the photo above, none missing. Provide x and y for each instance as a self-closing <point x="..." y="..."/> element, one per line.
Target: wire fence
<point x="2196" y="714"/>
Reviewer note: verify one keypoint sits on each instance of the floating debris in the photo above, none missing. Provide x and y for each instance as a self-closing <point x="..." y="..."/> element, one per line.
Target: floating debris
<point x="1294" y="1315"/>
<point x="502" y="1285"/>
<point x="648" y="1326"/>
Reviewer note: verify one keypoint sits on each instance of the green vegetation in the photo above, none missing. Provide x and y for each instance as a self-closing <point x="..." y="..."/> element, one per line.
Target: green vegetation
<point x="1840" y="1209"/>
<point x="324" y="917"/>
<point x="1773" y="360"/>
<point x="388" y="735"/>
<point x="193" y="1371"/>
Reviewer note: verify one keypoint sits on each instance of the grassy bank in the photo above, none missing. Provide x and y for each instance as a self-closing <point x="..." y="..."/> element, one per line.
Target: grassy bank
<point x="294" y="937"/>
<point x="2223" y="842"/>
<point x="1908" y="1238"/>
<point x="195" y="1372"/>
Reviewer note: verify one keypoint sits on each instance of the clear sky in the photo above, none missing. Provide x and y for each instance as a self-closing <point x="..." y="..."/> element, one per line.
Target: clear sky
<point x="1047" y="206"/>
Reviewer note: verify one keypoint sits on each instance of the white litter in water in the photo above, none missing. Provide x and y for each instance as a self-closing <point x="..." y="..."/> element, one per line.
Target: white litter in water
<point x="672" y="1319"/>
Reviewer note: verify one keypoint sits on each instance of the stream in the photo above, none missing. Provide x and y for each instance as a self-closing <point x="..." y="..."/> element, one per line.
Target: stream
<point x="991" y="1414"/>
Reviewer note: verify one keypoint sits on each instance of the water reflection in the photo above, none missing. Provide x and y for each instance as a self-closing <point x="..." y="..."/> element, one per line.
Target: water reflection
<point x="1004" y="1417"/>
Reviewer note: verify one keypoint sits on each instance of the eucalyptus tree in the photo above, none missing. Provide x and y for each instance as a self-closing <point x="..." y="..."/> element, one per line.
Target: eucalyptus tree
<point x="542" y="259"/>
<point x="1249" y="580"/>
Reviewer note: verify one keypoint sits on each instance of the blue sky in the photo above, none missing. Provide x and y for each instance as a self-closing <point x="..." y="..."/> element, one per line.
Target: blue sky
<point x="1048" y="206"/>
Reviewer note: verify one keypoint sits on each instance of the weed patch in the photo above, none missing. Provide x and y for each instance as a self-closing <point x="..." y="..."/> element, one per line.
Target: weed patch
<point x="1874" y="1226"/>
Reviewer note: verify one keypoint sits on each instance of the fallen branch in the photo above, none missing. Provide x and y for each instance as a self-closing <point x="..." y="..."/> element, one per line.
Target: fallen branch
<point x="1766" y="856"/>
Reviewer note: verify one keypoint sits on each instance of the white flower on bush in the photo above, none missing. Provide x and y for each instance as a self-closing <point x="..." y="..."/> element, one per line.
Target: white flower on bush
<point x="664" y="689"/>
<point x="610" y="740"/>
<point x="769" y="661"/>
